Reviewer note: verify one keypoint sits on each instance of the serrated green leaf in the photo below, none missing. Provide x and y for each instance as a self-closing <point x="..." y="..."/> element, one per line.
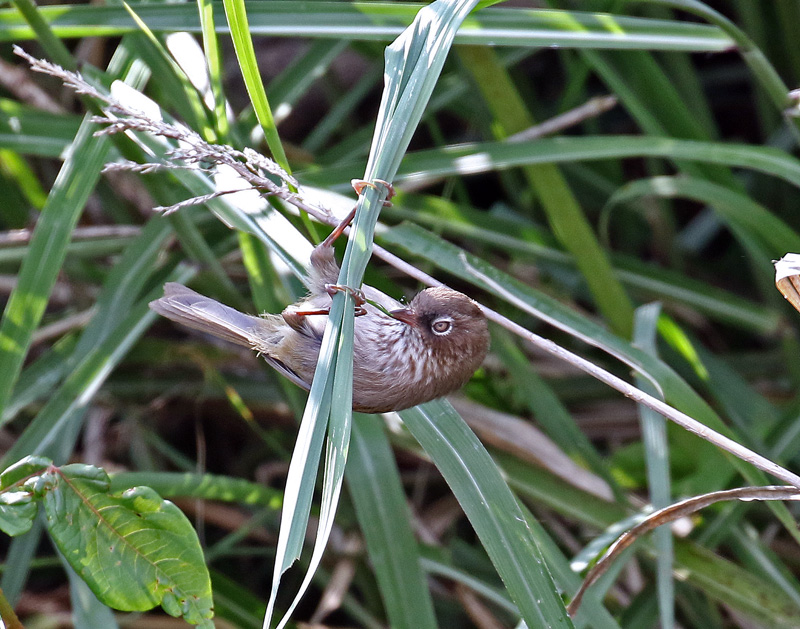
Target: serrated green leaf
<point x="134" y="549"/>
<point x="17" y="511"/>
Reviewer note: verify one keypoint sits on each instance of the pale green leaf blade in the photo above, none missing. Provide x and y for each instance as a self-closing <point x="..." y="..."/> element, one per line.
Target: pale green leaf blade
<point x="491" y="508"/>
<point x="39" y="271"/>
<point x="380" y="21"/>
<point x="384" y="519"/>
<point x="134" y="550"/>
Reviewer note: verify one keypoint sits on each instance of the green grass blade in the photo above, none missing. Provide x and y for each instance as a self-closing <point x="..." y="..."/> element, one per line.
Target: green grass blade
<point x="178" y="91"/>
<point x="491" y="508"/>
<point x="339" y="429"/>
<point x="567" y="219"/>
<point x="676" y="391"/>
<point x="761" y="68"/>
<point x="66" y="407"/>
<point x="380" y="21"/>
<point x="124" y="284"/>
<point x="550" y="412"/>
<point x="77" y="178"/>
<point x="726" y="582"/>
<point x="739" y="211"/>
<point x="44" y="35"/>
<point x="245" y="53"/>
<point x="213" y="57"/>
<point x="30" y="132"/>
<point x="467" y="159"/>
<point x="384" y="519"/>
<point x="654" y="436"/>
<point x="413" y="65"/>
<point x="21" y="552"/>
<point x="528" y="242"/>
<point x="302" y="473"/>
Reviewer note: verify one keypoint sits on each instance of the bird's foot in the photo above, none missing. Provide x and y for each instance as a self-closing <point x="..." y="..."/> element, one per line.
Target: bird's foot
<point x="355" y="293"/>
<point x="332" y="289"/>
<point x="360" y="184"/>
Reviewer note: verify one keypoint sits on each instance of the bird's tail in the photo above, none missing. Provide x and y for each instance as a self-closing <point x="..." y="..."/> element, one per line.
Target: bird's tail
<point x="196" y="311"/>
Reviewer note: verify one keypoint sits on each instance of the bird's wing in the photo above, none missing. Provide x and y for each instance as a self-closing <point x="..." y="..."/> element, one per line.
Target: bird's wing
<point x="285" y="371"/>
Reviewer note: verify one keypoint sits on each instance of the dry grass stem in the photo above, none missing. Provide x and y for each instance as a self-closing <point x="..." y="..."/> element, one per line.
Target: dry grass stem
<point x="670" y="514"/>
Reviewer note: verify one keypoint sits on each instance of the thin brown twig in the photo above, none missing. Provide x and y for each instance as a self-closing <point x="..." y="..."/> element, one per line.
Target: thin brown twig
<point x="8" y="615"/>
<point x="590" y="109"/>
<point x="18" y="237"/>
<point x="670" y="514"/>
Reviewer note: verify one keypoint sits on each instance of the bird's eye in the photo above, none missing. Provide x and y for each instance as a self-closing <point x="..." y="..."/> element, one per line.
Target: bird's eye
<point x="442" y="325"/>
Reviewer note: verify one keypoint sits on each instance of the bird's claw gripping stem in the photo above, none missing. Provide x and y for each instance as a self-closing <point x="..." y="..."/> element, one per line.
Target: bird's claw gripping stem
<point x="355" y="293"/>
<point x="323" y="249"/>
<point x="332" y="289"/>
<point x="360" y="184"/>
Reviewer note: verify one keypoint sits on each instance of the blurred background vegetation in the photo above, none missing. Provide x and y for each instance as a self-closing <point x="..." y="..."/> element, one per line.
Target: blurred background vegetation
<point x="674" y="180"/>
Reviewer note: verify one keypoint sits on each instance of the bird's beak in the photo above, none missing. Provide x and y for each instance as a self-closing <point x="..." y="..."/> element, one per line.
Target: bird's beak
<point x="406" y="315"/>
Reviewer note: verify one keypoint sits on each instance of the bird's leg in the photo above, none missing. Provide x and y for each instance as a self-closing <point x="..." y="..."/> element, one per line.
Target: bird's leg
<point x="332" y="289"/>
<point x="358" y="186"/>
<point x="323" y="263"/>
<point x="322" y="259"/>
<point x="355" y="293"/>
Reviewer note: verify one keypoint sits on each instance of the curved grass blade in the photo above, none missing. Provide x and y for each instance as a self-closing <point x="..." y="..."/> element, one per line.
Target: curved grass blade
<point x="492" y="510"/>
<point x="380" y="21"/>
<point x="565" y="215"/>
<point x="245" y="53"/>
<point x="383" y="518"/>
<point x="739" y="211"/>
<point x="762" y="70"/>
<point x="413" y="65"/>
<point x="654" y="436"/>
<point x="473" y="158"/>
<point x="77" y="178"/>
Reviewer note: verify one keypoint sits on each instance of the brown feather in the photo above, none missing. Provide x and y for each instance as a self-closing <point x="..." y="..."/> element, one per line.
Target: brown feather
<point x="397" y="362"/>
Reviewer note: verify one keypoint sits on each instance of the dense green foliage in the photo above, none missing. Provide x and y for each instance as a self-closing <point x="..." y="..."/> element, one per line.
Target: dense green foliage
<point x="681" y="190"/>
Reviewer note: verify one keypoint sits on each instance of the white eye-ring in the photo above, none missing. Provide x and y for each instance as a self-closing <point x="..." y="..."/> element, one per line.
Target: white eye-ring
<point x="442" y="326"/>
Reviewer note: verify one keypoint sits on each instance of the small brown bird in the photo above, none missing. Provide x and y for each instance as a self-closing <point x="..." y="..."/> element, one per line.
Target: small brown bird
<point x="415" y="354"/>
